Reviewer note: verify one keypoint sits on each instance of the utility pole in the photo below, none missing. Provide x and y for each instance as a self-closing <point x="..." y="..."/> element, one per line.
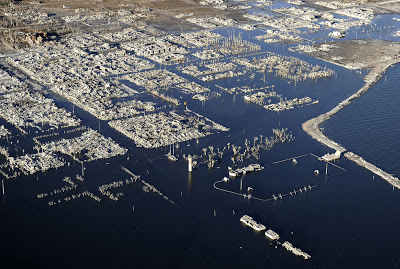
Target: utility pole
<point x="83" y="170"/>
<point x="326" y="169"/>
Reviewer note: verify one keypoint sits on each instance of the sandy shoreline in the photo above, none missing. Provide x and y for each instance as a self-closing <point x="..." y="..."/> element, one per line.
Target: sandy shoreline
<point x="311" y="126"/>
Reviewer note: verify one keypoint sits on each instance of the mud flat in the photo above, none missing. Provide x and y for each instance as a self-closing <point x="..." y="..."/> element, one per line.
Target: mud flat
<point x="353" y="54"/>
<point x="311" y="126"/>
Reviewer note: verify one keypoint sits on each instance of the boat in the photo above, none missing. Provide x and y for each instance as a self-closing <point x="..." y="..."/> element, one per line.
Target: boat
<point x="272" y="235"/>
<point x="252" y="223"/>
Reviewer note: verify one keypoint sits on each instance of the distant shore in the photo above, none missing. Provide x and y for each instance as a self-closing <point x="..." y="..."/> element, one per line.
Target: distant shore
<point x="311" y="126"/>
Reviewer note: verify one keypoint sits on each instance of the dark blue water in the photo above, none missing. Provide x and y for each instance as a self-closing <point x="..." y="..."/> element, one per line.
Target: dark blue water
<point x="348" y="221"/>
<point x="370" y="125"/>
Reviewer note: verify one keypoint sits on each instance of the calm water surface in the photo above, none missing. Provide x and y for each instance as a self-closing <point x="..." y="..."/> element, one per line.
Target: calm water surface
<point x="348" y="221"/>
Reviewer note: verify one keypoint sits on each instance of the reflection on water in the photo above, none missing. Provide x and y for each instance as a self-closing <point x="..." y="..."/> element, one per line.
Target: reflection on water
<point x="189" y="185"/>
<point x="368" y="126"/>
<point x="331" y="222"/>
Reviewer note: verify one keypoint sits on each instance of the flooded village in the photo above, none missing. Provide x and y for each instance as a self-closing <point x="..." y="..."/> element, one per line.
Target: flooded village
<point x="187" y="106"/>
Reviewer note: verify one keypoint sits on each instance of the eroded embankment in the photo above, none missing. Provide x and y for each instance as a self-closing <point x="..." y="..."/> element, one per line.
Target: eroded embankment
<point x="311" y="127"/>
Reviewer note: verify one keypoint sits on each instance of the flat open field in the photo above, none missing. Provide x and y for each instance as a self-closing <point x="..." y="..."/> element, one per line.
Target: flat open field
<point x="355" y="54"/>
